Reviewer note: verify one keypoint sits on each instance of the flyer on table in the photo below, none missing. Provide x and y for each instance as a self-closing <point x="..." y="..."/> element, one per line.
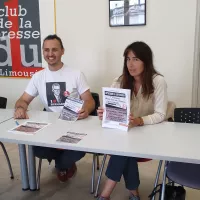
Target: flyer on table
<point x="116" y="104"/>
<point x="72" y="137"/>
<point x="29" y="128"/>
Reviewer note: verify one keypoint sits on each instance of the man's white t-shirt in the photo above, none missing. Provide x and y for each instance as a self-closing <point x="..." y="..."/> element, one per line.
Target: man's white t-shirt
<point x="53" y="86"/>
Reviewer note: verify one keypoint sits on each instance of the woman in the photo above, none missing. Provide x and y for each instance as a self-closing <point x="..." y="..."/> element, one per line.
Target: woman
<point x="148" y="106"/>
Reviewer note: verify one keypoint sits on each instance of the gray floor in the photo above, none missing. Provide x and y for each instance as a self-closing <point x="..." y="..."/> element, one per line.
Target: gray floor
<point x="76" y="189"/>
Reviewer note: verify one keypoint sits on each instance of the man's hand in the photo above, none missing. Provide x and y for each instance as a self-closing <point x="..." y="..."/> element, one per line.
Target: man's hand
<point x="83" y="113"/>
<point x="21" y="106"/>
<point x="20" y="113"/>
<point x="100" y="113"/>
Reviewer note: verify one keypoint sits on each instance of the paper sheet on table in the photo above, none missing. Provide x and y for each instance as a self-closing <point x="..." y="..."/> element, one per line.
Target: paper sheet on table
<point x="72" y="137"/>
<point x="29" y="128"/>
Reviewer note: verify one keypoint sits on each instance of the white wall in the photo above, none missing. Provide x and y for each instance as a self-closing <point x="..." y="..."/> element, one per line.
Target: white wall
<point x="95" y="48"/>
<point x="196" y="71"/>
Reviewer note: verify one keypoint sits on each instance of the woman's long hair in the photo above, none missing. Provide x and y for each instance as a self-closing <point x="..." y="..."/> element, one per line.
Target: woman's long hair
<point x="144" y="53"/>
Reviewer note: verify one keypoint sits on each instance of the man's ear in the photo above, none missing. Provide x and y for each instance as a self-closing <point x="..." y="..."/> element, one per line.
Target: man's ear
<point x="63" y="51"/>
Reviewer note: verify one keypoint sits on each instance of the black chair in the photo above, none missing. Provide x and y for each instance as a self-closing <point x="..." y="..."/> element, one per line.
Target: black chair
<point x="3" y="103"/>
<point x="95" y="155"/>
<point x="185" y="174"/>
<point x="187" y="115"/>
<point x="97" y="103"/>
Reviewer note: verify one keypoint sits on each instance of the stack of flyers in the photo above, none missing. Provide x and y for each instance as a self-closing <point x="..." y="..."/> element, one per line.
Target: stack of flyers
<point x="71" y="108"/>
<point x="116" y="104"/>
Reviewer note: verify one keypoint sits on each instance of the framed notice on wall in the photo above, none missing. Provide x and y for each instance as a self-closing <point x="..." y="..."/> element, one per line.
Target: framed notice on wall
<point x="127" y="13"/>
<point x="20" y="37"/>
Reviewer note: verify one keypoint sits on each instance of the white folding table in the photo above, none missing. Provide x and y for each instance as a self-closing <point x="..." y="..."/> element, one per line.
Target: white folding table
<point x="165" y="141"/>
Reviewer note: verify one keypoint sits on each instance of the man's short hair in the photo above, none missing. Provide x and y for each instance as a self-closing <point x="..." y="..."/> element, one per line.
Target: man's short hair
<point x="52" y="37"/>
<point x="55" y="84"/>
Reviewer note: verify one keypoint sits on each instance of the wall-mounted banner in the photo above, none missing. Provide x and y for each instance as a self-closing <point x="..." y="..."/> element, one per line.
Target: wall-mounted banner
<point x="20" y="38"/>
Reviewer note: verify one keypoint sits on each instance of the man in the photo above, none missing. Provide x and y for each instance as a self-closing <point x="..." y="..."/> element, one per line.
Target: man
<point x="57" y="78"/>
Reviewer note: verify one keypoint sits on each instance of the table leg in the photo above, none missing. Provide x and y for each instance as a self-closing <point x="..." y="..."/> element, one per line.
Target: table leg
<point x="23" y="166"/>
<point x="32" y="169"/>
<point x="164" y="181"/>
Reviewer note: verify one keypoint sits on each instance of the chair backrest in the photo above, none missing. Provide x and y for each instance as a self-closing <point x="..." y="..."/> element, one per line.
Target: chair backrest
<point x="187" y="115"/>
<point x="97" y="103"/>
<point x="3" y="102"/>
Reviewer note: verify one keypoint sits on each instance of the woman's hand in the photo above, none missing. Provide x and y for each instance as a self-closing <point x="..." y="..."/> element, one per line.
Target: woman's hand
<point x="100" y="113"/>
<point x="135" y="121"/>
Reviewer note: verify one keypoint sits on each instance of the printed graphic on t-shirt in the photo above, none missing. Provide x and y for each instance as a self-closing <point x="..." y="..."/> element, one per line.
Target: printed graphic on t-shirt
<point x="56" y="93"/>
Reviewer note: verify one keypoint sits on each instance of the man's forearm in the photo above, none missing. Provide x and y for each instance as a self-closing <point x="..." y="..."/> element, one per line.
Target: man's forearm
<point x="21" y="104"/>
<point x="90" y="106"/>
